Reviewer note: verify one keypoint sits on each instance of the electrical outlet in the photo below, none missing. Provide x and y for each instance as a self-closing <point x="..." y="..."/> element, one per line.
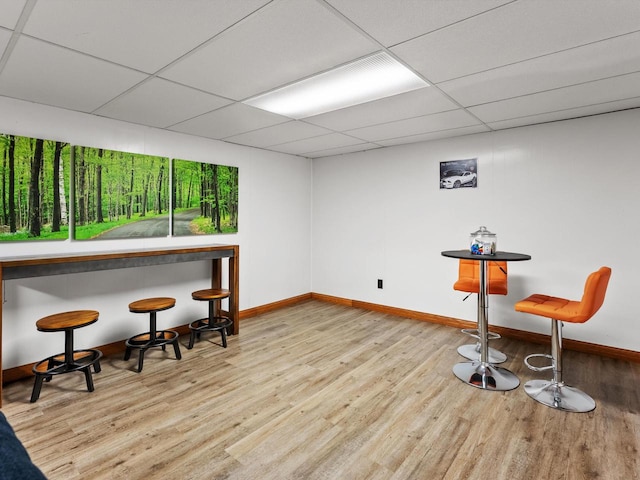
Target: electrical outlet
<point x="379" y="283"/>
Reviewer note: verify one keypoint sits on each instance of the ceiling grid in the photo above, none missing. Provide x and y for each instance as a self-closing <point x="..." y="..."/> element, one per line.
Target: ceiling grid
<point x="491" y="65"/>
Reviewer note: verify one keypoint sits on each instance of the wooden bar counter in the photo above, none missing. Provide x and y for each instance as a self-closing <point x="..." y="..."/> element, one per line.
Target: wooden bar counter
<point x="12" y="268"/>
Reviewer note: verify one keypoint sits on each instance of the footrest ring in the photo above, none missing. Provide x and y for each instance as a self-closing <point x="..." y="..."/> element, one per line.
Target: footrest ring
<point x="145" y="340"/>
<point x="538" y="355"/>
<point x="473" y="332"/>
<point x="56" y="365"/>
<point x="204" y="324"/>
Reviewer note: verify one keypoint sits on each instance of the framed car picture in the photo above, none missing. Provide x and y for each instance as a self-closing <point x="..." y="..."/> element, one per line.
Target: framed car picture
<point x="459" y="174"/>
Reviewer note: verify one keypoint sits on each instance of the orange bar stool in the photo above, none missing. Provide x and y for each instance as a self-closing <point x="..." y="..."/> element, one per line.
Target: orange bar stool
<point x="153" y="338"/>
<point x="555" y="393"/>
<point x="214" y="322"/>
<point x="469" y="281"/>
<point x="71" y="360"/>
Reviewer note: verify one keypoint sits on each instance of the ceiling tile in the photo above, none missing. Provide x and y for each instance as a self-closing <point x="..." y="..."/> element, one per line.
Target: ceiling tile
<point x="513" y="33"/>
<point x="592" y="93"/>
<point x="394" y="21"/>
<point x="414" y="126"/>
<point x="568" y="114"/>
<point x="426" y="137"/>
<point x="11" y="10"/>
<point x="360" y="147"/>
<point x="158" y="31"/>
<point x="160" y="103"/>
<point x="277" y="134"/>
<point x="423" y="101"/>
<point x="322" y="142"/>
<point x="227" y="121"/>
<point x="285" y="41"/>
<point x="595" y="61"/>
<point x="43" y="73"/>
<point x="5" y="36"/>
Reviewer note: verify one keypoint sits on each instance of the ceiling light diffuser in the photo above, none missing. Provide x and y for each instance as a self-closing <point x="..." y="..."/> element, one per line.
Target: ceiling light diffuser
<point x="370" y="78"/>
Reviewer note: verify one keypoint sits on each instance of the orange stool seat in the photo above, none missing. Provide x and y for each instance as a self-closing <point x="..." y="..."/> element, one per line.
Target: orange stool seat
<point x="555" y="393"/>
<point x="154" y="337"/>
<point x="71" y="360"/>
<point x="214" y="322"/>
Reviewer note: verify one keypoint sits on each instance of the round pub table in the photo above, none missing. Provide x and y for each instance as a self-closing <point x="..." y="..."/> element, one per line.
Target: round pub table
<point x="483" y="374"/>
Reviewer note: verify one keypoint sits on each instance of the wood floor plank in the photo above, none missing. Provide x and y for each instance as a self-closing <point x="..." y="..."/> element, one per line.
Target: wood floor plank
<point x="325" y="391"/>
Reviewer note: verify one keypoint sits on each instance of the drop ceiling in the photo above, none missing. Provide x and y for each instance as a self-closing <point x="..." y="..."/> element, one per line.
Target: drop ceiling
<point x="187" y="65"/>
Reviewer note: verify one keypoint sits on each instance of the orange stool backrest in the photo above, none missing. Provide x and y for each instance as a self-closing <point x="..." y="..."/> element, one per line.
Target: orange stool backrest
<point x="595" y="289"/>
<point x="469" y="277"/>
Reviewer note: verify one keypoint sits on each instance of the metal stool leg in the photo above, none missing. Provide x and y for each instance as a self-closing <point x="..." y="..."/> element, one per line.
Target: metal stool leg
<point x="141" y="360"/>
<point x="176" y="348"/>
<point x="37" y="387"/>
<point x="192" y="339"/>
<point x="472" y="351"/>
<point x="88" y="378"/>
<point x="554" y="393"/>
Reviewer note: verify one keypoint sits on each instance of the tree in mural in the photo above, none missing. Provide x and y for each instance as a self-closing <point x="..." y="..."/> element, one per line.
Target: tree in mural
<point x="205" y="198"/>
<point x="59" y="200"/>
<point x="115" y="190"/>
<point x="35" y="188"/>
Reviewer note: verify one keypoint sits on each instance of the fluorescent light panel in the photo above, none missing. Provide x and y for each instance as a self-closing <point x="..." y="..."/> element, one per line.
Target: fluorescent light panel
<point x="370" y="78"/>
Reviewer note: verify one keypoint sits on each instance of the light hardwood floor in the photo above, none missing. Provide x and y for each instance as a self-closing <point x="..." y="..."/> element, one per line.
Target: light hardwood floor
<point x="323" y="391"/>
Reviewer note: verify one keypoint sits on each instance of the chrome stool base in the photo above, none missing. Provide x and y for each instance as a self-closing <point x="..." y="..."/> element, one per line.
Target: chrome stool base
<point x="559" y="396"/>
<point x="472" y="352"/>
<point x="486" y="376"/>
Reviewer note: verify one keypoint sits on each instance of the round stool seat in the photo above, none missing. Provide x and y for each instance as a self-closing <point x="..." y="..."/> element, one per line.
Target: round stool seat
<point x="211" y="294"/>
<point x="71" y="360"/>
<point x="62" y="321"/>
<point x="214" y="322"/>
<point x="148" y="305"/>
<point x="152" y="338"/>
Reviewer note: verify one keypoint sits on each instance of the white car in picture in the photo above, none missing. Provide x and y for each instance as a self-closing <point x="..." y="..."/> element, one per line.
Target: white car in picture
<point x="457" y="179"/>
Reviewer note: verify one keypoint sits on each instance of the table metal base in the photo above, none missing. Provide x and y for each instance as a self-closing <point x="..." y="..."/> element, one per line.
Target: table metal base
<point x="486" y="376"/>
<point x="472" y="352"/>
<point x="559" y="396"/>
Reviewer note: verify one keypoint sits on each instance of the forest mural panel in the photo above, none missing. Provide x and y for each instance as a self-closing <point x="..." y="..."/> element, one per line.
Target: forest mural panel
<point x="35" y="189"/>
<point x="120" y="194"/>
<point x="205" y="198"/>
<point x="117" y="194"/>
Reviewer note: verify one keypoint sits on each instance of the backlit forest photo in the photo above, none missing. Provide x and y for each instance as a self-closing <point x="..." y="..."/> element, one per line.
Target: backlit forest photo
<point x="35" y="189"/>
<point x="205" y="198"/>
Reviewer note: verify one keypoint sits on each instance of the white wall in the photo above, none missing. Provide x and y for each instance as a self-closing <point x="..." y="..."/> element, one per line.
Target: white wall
<point x="274" y="237"/>
<point x="564" y="192"/>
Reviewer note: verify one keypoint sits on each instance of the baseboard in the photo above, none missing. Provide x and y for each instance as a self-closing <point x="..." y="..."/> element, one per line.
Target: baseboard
<point x="270" y="307"/>
<point x="24" y="371"/>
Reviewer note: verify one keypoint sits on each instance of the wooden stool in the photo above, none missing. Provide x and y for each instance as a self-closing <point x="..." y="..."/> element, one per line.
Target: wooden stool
<point x="214" y="322"/>
<point x="71" y="360"/>
<point x="152" y="338"/>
